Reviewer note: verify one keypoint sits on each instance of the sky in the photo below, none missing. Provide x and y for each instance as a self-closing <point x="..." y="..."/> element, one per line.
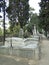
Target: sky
<point x="34" y="4"/>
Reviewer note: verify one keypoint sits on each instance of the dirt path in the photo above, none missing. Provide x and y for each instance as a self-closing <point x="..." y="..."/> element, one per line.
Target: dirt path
<point x="45" y="53"/>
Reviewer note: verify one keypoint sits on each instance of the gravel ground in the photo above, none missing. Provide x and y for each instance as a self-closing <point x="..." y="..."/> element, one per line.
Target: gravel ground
<point x="7" y="60"/>
<point x="45" y="53"/>
<point x="11" y="60"/>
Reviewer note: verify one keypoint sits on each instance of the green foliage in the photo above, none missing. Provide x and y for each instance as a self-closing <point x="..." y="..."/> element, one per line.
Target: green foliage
<point x="44" y="15"/>
<point x="30" y="27"/>
<point x="16" y="30"/>
<point x="25" y="28"/>
<point x="18" y="10"/>
<point x="1" y="33"/>
<point x="26" y="34"/>
<point x="34" y="19"/>
<point x="40" y="29"/>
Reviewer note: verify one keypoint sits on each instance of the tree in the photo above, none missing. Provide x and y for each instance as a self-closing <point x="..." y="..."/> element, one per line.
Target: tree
<point x="34" y="20"/>
<point x="44" y="15"/>
<point x="16" y="30"/>
<point x="18" y="10"/>
<point x="1" y="33"/>
<point x="31" y="12"/>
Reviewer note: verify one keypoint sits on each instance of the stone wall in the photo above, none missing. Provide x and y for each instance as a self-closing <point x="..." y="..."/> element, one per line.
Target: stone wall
<point x="21" y="52"/>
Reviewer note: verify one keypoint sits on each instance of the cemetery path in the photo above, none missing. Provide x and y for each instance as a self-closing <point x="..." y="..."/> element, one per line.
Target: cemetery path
<point x="45" y="53"/>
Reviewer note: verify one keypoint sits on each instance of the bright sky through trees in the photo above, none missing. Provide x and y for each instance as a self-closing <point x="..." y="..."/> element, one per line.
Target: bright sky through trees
<point x="34" y="4"/>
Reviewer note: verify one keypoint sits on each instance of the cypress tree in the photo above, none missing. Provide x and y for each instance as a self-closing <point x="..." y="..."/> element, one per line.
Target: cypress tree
<point x="44" y="15"/>
<point x="18" y="10"/>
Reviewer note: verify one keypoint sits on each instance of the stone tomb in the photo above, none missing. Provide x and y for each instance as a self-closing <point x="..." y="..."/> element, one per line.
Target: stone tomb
<point x="25" y="48"/>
